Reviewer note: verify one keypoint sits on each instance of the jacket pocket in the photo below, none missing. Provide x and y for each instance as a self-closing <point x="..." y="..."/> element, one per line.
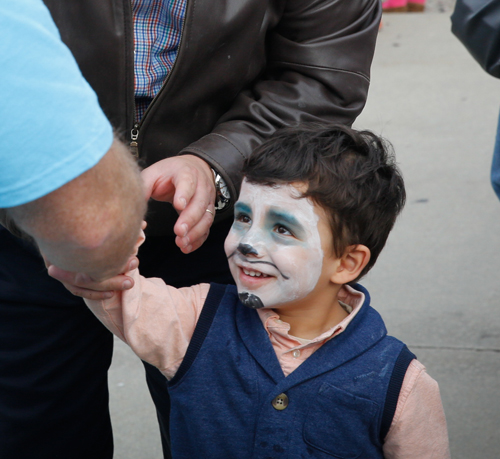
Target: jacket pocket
<point x="340" y="424"/>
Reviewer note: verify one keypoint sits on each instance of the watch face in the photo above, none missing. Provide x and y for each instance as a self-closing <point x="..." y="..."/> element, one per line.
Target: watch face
<point x="223" y="196"/>
<point x="224" y="191"/>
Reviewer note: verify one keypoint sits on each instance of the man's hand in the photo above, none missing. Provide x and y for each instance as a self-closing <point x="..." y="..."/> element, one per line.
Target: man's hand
<point x="187" y="182"/>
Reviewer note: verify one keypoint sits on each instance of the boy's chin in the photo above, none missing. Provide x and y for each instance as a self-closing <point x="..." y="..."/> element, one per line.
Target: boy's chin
<point x="250" y="300"/>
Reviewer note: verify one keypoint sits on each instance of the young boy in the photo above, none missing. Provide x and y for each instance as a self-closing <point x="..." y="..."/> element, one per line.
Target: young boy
<point x="292" y="362"/>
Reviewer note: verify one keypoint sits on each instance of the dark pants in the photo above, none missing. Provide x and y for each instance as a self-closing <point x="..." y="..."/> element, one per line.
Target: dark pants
<point x="54" y="354"/>
<point x="54" y="357"/>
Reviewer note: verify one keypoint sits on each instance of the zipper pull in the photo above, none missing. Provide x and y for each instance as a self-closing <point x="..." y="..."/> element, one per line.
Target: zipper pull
<point x="134" y="146"/>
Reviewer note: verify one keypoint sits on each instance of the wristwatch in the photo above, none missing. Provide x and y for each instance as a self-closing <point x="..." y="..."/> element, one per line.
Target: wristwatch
<point x="222" y="195"/>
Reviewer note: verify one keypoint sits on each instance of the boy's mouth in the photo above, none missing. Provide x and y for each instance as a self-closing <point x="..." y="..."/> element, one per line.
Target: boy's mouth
<point x="243" y="264"/>
<point x="252" y="273"/>
<point x="252" y="279"/>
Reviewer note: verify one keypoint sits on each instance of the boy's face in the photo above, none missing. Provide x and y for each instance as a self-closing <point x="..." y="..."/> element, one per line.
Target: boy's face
<point x="275" y="247"/>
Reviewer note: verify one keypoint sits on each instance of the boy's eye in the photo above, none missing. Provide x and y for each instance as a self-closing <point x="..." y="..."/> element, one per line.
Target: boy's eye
<point x="283" y="230"/>
<point x="243" y="218"/>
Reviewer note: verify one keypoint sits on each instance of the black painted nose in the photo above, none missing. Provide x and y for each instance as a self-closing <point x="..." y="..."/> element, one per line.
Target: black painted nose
<point x="246" y="249"/>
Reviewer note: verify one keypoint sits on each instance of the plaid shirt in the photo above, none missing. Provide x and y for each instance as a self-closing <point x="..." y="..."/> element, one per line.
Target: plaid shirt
<point x="157" y="32"/>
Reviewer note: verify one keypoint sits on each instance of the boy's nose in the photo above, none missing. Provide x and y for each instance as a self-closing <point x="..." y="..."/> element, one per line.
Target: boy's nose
<point x="246" y="249"/>
<point x="253" y="242"/>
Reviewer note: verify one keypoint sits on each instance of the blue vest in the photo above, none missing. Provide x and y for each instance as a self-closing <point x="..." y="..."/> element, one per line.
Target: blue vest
<point x="227" y="390"/>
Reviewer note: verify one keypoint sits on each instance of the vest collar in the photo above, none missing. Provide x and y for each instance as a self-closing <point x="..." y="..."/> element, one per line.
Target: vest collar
<point x="365" y="330"/>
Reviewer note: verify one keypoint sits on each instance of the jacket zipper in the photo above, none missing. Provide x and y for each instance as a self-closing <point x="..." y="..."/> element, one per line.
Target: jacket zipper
<point x="134" y="146"/>
<point x="134" y="132"/>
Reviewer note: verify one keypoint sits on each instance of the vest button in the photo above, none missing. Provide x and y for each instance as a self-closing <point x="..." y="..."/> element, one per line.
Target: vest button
<point x="280" y="402"/>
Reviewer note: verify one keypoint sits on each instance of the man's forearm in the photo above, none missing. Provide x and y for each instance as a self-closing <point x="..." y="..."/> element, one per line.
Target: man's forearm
<point x="91" y="224"/>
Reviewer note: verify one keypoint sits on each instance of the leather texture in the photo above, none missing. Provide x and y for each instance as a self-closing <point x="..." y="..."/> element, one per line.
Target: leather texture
<point x="244" y="69"/>
<point x="476" y="23"/>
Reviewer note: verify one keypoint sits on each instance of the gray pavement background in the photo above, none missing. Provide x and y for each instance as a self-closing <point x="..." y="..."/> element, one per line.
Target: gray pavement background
<point x="436" y="283"/>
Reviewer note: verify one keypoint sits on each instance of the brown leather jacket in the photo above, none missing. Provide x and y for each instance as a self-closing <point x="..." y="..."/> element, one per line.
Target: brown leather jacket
<point x="244" y="69"/>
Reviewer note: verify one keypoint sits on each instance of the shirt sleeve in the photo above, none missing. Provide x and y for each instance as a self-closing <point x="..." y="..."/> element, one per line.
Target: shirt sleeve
<point x="418" y="429"/>
<point x="156" y="320"/>
<point x="53" y="128"/>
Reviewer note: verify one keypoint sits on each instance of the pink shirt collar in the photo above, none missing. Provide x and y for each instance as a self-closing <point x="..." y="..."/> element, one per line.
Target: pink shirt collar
<point x="278" y="329"/>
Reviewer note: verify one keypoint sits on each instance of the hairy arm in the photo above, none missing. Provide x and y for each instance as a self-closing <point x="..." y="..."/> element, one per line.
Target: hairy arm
<point x="91" y="224"/>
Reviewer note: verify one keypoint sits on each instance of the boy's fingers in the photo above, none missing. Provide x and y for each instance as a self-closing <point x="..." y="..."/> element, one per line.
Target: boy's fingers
<point x="63" y="276"/>
<point x="77" y="282"/>
<point x="132" y="264"/>
<point x="89" y="294"/>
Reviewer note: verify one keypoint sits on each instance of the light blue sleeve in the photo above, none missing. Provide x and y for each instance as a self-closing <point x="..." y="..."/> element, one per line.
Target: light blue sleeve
<point x="52" y="128"/>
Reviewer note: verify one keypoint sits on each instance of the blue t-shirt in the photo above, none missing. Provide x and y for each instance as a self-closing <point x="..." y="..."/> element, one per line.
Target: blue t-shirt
<point x="52" y="128"/>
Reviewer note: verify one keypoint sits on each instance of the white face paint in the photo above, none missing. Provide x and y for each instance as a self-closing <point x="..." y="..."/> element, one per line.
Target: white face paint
<point x="274" y="246"/>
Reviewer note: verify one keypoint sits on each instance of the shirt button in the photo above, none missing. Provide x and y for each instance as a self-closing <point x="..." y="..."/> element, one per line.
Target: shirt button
<point x="280" y="402"/>
<point x="296" y="353"/>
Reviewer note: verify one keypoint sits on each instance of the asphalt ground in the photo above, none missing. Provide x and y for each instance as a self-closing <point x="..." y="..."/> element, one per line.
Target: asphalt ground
<point x="436" y="282"/>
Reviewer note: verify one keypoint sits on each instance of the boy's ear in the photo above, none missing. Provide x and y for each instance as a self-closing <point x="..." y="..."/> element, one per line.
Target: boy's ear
<point x="350" y="265"/>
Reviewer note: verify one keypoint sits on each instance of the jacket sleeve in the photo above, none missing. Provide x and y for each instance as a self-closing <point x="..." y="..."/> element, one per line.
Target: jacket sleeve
<point x="317" y="69"/>
<point x="476" y="23"/>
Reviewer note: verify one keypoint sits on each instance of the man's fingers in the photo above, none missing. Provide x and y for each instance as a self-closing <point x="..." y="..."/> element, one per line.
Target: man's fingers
<point x="198" y="235"/>
<point x="186" y="182"/>
<point x="194" y="214"/>
<point x="157" y="180"/>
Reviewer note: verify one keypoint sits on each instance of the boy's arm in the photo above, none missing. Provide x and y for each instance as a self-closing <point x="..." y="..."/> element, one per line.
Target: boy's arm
<point x="419" y="427"/>
<point x="157" y="321"/>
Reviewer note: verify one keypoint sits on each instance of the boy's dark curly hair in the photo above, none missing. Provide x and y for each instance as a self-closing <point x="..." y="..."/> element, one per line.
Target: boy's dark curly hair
<point x="351" y="174"/>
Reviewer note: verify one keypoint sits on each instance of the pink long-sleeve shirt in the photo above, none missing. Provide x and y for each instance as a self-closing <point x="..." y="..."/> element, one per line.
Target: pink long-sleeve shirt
<point x="157" y="321"/>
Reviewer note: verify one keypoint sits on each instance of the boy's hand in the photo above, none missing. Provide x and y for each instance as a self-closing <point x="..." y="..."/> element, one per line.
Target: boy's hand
<point x="82" y="285"/>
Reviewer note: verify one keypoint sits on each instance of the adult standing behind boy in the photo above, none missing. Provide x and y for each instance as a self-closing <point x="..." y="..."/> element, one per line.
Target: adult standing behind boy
<point x="228" y="75"/>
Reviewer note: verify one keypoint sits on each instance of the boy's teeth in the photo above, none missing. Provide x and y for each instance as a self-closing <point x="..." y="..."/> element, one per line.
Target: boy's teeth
<point x="254" y="273"/>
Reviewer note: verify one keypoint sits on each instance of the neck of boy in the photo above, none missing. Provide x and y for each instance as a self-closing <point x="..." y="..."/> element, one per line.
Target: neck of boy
<point x="314" y="321"/>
